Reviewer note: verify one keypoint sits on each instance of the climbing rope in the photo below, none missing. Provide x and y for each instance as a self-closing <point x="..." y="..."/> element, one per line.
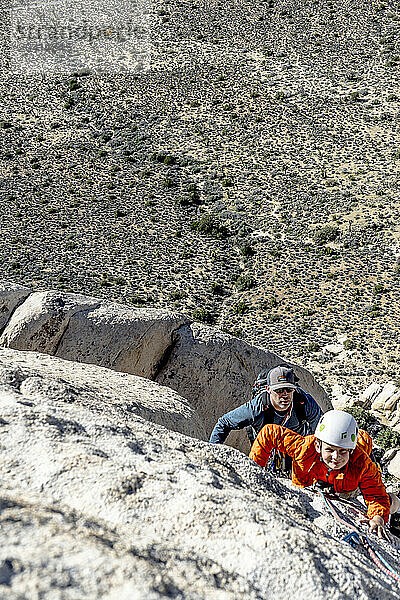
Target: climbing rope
<point x="380" y="561"/>
<point x="356" y="538"/>
<point x="362" y="511"/>
<point x="335" y="513"/>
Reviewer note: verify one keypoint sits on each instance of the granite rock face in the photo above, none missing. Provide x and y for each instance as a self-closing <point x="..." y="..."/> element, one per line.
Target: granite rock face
<point x="37" y="376"/>
<point x="100" y="499"/>
<point x="212" y="370"/>
<point x="89" y="330"/>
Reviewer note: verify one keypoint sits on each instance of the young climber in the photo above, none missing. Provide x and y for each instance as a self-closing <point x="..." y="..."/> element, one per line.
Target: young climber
<point x="336" y="456"/>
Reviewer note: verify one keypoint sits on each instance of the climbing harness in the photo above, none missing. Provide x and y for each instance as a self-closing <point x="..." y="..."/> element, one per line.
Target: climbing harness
<point x="356" y="538"/>
<point x="278" y="462"/>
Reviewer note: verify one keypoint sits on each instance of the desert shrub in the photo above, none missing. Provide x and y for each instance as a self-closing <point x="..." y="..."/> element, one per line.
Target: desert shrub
<point x="374" y="310"/>
<point x="217" y="288"/>
<point x="328" y="233"/>
<point x="191" y="198"/>
<point x="245" y="282"/>
<point x="275" y="252"/>
<point x="349" y="344"/>
<point x="328" y="251"/>
<point x="272" y="302"/>
<point x="187" y="253"/>
<point x="313" y="347"/>
<point x="379" y="288"/>
<point x="104" y="282"/>
<point x="120" y="280"/>
<point x="355" y="96"/>
<point x="204" y="315"/>
<point x="365" y="420"/>
<point x="176" y="295"/>
<point x="73" y="85"/>
<point x="138" y="300"/>
<point x="274" y="317"/>
<point x="387" y="438"/>
<point x="164" y="158"/>
<point x="168" y="182"/>
<point x="392" y="62"/>
<point x="247" y="250"/>
<point x="241" y="308"/>
<point x="210" y="225"/>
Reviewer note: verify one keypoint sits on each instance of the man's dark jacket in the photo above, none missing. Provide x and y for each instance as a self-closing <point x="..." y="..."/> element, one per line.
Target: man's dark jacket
<point x="258" y="412"/>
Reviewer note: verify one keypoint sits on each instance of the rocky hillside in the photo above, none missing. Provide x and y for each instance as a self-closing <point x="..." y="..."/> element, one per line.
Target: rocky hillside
<point x="107" y="492"/>
<point x="247" y="177"/>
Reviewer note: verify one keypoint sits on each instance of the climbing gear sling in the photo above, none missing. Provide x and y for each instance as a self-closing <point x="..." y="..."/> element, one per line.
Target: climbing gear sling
<point x="356" y="538"/>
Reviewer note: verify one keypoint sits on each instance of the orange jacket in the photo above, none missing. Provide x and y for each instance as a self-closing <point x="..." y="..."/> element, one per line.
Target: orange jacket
<point x="307" y="466"/>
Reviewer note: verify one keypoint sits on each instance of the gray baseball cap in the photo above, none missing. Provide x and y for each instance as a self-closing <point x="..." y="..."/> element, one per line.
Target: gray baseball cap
<point x="282" y="377"/>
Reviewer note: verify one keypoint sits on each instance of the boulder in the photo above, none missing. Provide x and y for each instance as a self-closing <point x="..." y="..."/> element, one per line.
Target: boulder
<point x="216" y="372"/>
<point x="333" y="349"/>
<point x="369" y="395"/>
<point x="11" y="295"/>
<point x="394" y="465"/>
<point x="388" y="456"/>
<point x="127" y="339"/>
<point x="100" y="501"/>
<point x="392" y="402"/>
<point x="386" y="398"/>
<point x="40" y="322"/>
<point x="86" y="329"/>
<point x="394" y="420"/>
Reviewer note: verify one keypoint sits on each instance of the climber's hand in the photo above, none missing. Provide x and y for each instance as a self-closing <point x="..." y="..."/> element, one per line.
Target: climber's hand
<point x="377" y="525"/>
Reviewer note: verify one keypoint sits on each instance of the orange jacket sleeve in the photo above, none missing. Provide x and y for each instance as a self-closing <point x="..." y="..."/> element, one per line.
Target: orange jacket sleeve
<point x="374" y="492"/>
<point x="275" y="436"/>
<point x="371" y="485"/>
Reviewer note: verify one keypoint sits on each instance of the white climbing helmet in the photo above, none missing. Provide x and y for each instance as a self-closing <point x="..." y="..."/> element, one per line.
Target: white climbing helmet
<point x="338" y="428"/>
